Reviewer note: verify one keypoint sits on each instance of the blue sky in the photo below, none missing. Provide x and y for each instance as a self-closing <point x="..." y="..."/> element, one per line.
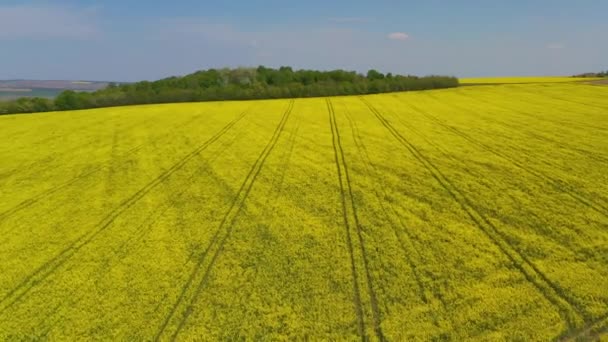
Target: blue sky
<point x="132" y="40"/>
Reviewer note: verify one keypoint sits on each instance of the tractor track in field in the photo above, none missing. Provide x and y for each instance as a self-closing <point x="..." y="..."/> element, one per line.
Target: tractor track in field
<point x="74" y="130"/>
<point x="576" y="195"/>
<point x="451" y="157"/>
<point x="142" y="230"/>
<point x="582" y="152"/>
<point x="355" y="277"/>
<point x="567" y="110"/>
<point x="278" y="190"/>
<point x="526" y="100"/>
<point x="44" y="271"/>
<point x="590" y="154"/>
<point x="54" y="156"/>
<point x="555" y="97"/>
<point x="47" y="324"/>
<point x="36" y="198"/>
<point x="218" y="241"/>
<point x="369" y="168"/>
<point x="526" y="114"/>
<point x="591" y="331"/>
<point x="570" y="311"/>
<point x="448" y="155"/>
<point x="286" y="160"/>
<point x="346" y="191"/>
<point x="373" y="173"/>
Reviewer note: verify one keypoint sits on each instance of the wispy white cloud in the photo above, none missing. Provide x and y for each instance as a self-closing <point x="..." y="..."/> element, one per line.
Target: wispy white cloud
<point x="323" y="47"/>
<point x="398" y="36"/>
<point x="47" y="22"/>
<point x="201" y="28"/>
<point x="556" y="46"/>
<point x="350" y="20"/>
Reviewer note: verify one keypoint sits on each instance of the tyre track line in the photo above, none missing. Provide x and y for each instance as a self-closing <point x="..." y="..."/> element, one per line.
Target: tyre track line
<point x="590" y="331"/>
<point x="278" y="191"/>
<point x="597" y="207"/>
<point x="572" y="314"/>
<point x="556" y="97"/>
<point x="522" y="113"/>
<point x="145" y="227"/>
<point x="70" y="131"/>
<point x="346" y="191"/>
<point x="217" y="241"/>
<point x="36" y="198"/>
<point x="447" y="154"/>
<point x="539" y="95"/>
<point x="44" y="271"/>
<point x="523" y="129"/>
<point x="54" y="156"/>
<point x="390" y="213"/>
<point x="206" y="166"/>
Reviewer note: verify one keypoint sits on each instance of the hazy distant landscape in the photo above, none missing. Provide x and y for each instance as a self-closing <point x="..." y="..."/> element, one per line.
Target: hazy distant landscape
<point x="13" y="89"/>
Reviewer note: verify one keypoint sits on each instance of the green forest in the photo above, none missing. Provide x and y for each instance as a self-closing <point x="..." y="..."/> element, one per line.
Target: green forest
<point x="232" y="84"/>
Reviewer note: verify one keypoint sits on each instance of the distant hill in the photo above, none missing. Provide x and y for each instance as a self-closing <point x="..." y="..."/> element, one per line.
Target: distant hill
<point x="54" y="84"/>
<point x="14" y="89"/>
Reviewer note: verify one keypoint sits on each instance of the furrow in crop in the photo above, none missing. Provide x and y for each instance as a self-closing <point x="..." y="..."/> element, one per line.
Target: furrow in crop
<point x="272" y="203"/>
<point x="553" y="293"/>
<point x="355" y="276"/>
<point x="44" y="271"/>
<point x="346" y="192"/>
<point x="287" y="157"/>
<point x="591" y="331"/>
<point x="45" y="160"/>
<point x="526" y="114"/>
<point x="380" y="192"/>
<point x="145" y="227"/>
<point x="197" y="279"/>
<point x="531" y="133"/>
<point x="581" y="198"/>
<point x="397" y="225"/>
<point x="524" y="129"/>
<point x="165" y="206"/>
<point x="538" y="95"/>
<point x="465" y="169"/>
<point x="559" y="98"/>
<point x="75" y="130"/>
<point x="34" y="199"/>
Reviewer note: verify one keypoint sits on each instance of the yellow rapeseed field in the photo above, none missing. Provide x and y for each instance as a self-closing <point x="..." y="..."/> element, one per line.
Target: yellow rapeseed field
<point x="469" y="213"/>
<point x="526" y="79"/>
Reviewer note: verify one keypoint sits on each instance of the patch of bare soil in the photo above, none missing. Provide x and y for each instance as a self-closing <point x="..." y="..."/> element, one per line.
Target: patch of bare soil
<point x="599" y="82"/>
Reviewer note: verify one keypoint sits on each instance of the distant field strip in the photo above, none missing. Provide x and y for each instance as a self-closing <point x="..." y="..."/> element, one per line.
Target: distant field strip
<point x="474" y="213"/>
<point x="526" y="79"/>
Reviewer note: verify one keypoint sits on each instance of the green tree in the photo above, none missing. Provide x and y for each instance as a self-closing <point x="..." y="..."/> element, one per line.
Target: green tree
<point x="374" y="75"/>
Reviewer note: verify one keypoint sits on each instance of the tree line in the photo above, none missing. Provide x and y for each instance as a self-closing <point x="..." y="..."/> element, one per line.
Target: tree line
<point x="232" y="84"/>
<point x="594" y="74"/>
